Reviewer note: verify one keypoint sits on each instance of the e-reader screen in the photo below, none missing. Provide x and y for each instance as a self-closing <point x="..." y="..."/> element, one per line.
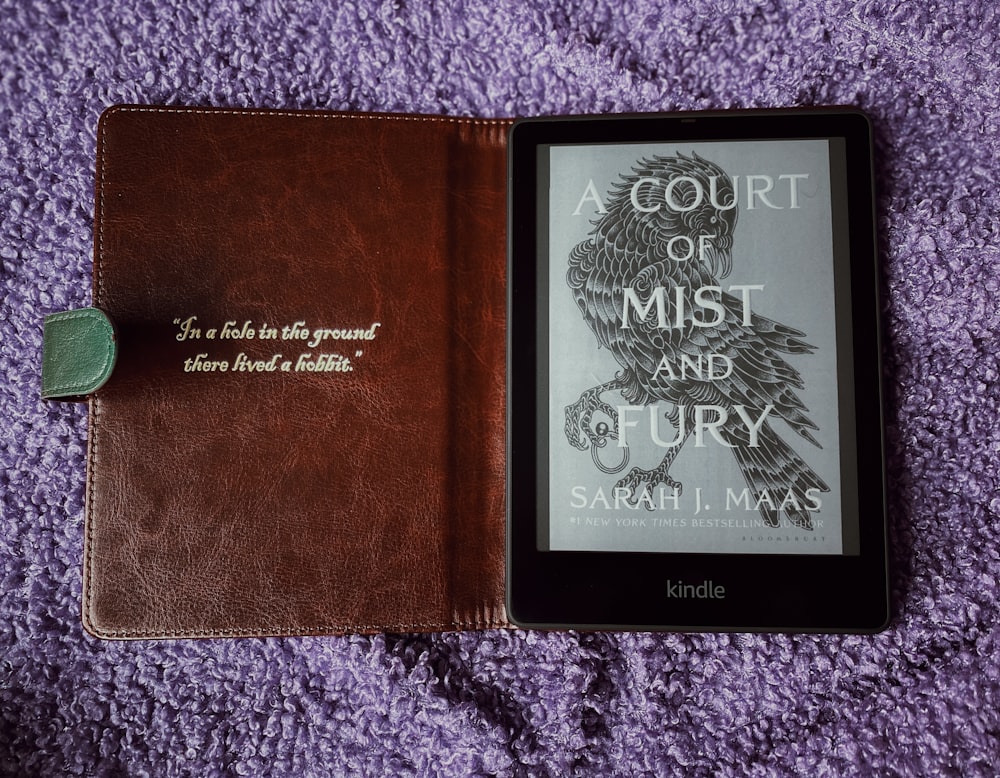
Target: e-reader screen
<point x="693" y="394"/>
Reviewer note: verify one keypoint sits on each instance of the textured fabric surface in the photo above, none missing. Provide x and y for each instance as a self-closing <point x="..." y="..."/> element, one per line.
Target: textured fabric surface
<point x="920" y="699"/>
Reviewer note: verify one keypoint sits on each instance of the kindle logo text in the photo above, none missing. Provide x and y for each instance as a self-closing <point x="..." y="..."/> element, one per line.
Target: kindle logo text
<point x="706" y="590"/>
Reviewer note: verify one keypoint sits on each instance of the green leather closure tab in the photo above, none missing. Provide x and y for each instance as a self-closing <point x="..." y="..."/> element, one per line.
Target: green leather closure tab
<point x="79" y="349"/>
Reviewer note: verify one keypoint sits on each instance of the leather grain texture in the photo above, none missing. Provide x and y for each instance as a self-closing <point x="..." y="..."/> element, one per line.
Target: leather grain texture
<point x="322" y="484"/>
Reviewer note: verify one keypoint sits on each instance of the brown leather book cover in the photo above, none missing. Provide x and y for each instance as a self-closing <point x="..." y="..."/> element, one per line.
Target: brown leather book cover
<point x="304" y="432"/>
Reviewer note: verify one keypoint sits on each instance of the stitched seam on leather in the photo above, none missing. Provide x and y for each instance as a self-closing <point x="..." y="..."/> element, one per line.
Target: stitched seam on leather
<point x="310" y="114"/>
<point x="295" y="631"/>
<point x="96" y="402"/>
<point x="89" y="519"/>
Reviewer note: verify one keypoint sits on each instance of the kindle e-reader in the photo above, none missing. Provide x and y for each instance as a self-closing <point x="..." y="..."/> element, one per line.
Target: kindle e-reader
<point x="695" y="437"/>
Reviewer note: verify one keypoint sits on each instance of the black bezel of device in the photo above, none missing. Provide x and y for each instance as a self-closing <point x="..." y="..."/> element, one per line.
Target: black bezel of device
<point x="627" y="590"/>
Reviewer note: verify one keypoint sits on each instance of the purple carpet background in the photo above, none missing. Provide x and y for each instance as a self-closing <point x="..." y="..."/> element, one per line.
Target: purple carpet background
<point x="919" y="699"/>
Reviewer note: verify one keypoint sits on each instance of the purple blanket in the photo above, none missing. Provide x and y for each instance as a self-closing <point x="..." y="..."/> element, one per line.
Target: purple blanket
<point x="920" y="699"/>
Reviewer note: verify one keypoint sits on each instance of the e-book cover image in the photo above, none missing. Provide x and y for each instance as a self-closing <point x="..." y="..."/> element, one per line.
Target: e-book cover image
<point x="693" y="348"/>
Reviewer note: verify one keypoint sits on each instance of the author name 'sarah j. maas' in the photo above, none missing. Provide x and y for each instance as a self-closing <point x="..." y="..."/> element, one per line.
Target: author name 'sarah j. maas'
<point x="666" y="498"/>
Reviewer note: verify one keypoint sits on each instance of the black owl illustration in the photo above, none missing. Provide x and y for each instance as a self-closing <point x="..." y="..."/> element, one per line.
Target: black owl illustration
<point x="652" y="216"/>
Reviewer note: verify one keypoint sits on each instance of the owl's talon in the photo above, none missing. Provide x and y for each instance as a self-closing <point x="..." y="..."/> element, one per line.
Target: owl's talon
<point x="638" y="480"/>
<point x="579" y="431"/>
